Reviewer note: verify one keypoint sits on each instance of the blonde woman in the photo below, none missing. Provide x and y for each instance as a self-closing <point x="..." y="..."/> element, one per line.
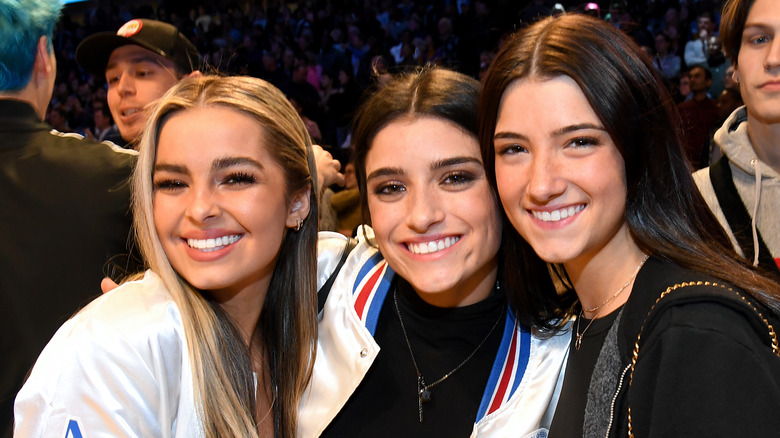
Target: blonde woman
<point x="218" y="337"/>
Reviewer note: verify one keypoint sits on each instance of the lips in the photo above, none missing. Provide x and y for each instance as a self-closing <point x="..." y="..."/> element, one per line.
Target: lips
<point x="557" y="215"/>
<point x="215" y="244"/>
<point x="432" y="246"/>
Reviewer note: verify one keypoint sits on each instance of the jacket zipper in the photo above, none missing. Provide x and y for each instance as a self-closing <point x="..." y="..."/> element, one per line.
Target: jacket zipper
<point x="614" y="398"/>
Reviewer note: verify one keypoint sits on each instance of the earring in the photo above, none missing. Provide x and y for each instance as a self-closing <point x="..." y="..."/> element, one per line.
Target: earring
<point x="299" y="225"/>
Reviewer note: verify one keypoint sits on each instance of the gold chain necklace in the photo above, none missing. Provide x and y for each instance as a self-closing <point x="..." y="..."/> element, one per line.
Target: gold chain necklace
<point x="423" y="390"/>
<point x="577" y="335"/>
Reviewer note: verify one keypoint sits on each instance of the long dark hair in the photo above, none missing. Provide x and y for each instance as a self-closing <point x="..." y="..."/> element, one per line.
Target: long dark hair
<point x="665" y="212"/>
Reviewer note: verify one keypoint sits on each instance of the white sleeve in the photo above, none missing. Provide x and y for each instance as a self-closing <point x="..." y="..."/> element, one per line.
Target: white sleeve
<point x="109" y="371"/>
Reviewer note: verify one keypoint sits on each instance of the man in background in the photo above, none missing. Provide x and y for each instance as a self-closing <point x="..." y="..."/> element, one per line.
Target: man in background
<point x="743" y="187"/>
<point x="140" y="62"/>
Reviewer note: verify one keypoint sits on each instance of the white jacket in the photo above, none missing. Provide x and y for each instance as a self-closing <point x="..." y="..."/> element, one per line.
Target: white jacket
<point x="523" y="386"/>
<point x="119" y="368"/>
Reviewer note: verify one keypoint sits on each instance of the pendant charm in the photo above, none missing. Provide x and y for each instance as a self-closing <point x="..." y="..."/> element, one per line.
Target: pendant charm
<point x="577" y="342"/>
<point x="425" y="395"/>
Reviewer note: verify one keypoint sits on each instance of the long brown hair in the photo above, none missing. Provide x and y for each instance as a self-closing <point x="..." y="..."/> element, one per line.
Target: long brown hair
<point x="630" y="100"/>
<point x="222" y="373"/>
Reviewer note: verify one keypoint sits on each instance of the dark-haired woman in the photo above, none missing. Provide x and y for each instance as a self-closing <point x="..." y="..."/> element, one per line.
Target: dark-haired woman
<point x="674" y="335"/>
<point x="416" y="338"/>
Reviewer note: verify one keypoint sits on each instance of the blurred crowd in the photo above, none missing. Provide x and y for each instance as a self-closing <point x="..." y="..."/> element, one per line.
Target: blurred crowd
<point x="324" y="53"/>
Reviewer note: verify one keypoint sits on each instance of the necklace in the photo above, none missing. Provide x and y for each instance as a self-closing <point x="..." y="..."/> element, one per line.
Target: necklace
<point x="577" y="335"/>
<point x="423" y="390"/>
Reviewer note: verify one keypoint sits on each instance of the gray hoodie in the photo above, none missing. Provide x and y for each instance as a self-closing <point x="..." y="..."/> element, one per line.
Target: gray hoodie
<point x="757" y="184"/>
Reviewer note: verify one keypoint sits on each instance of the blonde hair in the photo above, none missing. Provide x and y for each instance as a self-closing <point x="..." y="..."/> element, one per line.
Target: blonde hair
<point x="222" y="373"/>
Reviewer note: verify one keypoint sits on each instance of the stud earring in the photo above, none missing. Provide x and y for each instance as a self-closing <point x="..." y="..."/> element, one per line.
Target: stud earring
<point x="299" y="225"/>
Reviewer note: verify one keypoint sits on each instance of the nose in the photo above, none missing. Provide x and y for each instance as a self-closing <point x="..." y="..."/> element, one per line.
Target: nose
<point x="544" y="178"/>
<point x="126" y="85"/>
<point x="203" y="206"/>
<point x="424" y="208"/>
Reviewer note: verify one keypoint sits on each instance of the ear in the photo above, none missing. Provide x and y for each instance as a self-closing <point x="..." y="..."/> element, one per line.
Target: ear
<point x="44" y="65"/>
<point x="735" y="74"/>
<point x="299" y="208"/>
<point x="194" y="74"/>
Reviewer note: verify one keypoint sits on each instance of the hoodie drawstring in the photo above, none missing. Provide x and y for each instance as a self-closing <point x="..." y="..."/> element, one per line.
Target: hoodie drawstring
<point x="757" y="167"/>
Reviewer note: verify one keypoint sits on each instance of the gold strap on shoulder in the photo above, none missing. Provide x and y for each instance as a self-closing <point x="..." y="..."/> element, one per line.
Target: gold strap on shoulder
<point x="670" y="289"/>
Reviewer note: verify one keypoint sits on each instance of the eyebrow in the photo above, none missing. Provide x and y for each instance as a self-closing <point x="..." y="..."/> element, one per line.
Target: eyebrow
<point x="436" y="165"/>
<point x="762" y="27"/>
<point x="558" y="132"/>
<point x="218" y="164"/>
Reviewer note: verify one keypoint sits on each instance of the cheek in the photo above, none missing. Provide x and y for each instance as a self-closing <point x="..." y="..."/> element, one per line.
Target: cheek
<point x="509" y="181"/>
<point x="384" y="217"/>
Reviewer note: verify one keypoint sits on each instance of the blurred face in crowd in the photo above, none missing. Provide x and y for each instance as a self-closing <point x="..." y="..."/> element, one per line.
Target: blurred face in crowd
<point x="436" y="222"/>
<point x="758" y="65"/>
<point x="136" y="77"/>
<point x="699" y="81"/>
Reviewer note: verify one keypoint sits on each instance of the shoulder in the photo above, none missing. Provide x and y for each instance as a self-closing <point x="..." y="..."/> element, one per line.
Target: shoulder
<point x="86" y="150"/>
<point x="142" y="314"/>
<point x="119" y="364"/>
<point x="685" y="301"/>
<point x="330" y="247"/>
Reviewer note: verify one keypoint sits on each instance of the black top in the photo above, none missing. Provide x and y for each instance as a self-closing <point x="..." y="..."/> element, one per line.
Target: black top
<point x="65" y="212"/>
<point x="385" y="403"/>
<point x="568" y="418"/>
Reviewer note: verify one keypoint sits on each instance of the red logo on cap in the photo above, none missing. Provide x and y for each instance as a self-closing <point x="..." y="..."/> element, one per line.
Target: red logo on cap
<point x="130" y="28"/>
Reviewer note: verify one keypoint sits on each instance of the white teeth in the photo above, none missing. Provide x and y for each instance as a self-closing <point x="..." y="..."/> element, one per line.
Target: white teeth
<point x="555" y="216"/>
<point x="208" y="245"/>
<point x="429" y="247"/>
<point x="130" y="112"/>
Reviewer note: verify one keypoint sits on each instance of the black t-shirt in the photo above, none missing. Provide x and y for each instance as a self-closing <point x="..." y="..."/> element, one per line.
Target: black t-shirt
<point x="570" y="413"/>
<point x="385" y="403"/>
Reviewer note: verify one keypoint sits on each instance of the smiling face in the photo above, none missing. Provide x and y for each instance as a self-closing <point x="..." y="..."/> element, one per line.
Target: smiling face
<point x="758" y="65"/>
<point x="435" y="219"/>
<point x="136" y="77"/>
<point x="560" y="176"/>
<point x="220" y="201"/>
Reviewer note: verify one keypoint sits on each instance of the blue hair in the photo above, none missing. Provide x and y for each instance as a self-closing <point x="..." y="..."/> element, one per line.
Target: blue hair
<point x="22" y="24"/>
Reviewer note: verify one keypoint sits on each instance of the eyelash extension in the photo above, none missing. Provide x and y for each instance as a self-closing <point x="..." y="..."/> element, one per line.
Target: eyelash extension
<point x="462" y="177"/>
<point x="167" y="184"/>
<point x="386" y="189"/>
<point x="240" y="178"/>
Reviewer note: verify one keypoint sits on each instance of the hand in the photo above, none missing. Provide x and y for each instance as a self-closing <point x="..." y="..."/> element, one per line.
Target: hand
<point x="107" y="285"/>
<point x="327" y="168"/>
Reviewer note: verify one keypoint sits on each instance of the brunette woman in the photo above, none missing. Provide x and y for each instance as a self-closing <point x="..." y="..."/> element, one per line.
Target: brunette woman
<point x="674" y="335"/>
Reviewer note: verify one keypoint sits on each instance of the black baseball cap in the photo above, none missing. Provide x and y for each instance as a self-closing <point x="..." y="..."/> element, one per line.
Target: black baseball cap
<point x="161" y="38"/>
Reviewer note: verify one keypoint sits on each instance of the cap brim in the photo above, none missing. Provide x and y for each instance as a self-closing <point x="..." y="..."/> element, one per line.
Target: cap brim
<point x="93" y="53"/>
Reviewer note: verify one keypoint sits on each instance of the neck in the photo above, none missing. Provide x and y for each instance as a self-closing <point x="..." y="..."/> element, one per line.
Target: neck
<point x="470" y="291"/>
<point x="598" y="277"/>
<point x="27" y="95"/>
<point x="244" y="307"/>
<point x="764" y="139"/>
<point x="699" y="95"/>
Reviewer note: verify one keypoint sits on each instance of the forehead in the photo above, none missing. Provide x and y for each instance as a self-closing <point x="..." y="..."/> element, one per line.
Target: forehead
<point x="134" y="54"/>
<point x="764" y="13"/>
<point x="415" y="141"/>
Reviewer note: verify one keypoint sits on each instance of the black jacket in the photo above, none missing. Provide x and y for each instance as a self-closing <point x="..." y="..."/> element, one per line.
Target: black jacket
<point x="64" y="212"/>
<point x="705" y="363"/>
